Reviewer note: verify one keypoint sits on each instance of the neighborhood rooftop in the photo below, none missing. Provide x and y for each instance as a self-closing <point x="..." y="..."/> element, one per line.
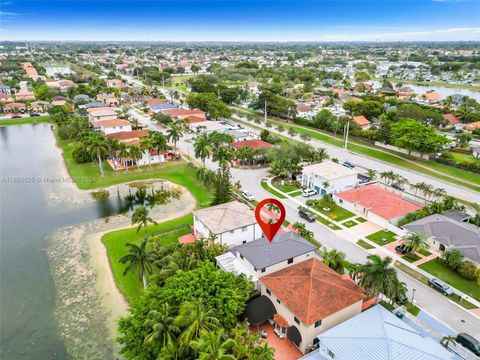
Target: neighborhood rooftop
<point x="329" y="170"/>
<point x="225" y="217"/>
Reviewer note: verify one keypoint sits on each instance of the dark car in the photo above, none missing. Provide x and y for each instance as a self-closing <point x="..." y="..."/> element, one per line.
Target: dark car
<point x="469" y="342"/>
<point x="304" y="214"/>
<point x="398" y="187"/>
<point x="402" y="249"/>
<point x="34" y="115"/>
<point x="348" y="164"/>
<point x="441" y="286"/>
<point x="16" y="117"/>
<point x="401" y="299"/>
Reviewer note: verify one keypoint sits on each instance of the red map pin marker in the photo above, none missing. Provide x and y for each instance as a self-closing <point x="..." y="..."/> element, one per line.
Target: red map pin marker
<point x="270" y="230"/>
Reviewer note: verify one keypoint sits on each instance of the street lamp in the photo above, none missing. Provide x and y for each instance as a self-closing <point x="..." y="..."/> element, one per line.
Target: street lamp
<point x="413" y="296"/>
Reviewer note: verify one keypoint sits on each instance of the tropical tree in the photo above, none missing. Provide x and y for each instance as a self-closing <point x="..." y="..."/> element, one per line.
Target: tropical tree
<point x="320" y="155"/>
<point x="211" y="345"/>
<point x="161" y="328"/>
<point x="136" y="154"/>
<point x="141" y="217"/>
<point x="123" y="152"/>
<point x="372" y="174"/>
<point x="194" y="317"/>
<point x="113" y="146"/>
<point x="140" y="259"/>
<point x="223" y="155"/>
<point x="97" y="146"/>
<point x="303" y="231"/>
<point x="334" y="259"/>
<point x="416" y="242"/>
<point x="207" y="176"/>
<point x="476" y="218"/>
<point x="453" y="258"/>
<point x="202" y="147"/>
<point x="159" y="141"/>
<point x="447" y="339"/>
<point x="147" y="144"/>
<point x="174" y="133"/>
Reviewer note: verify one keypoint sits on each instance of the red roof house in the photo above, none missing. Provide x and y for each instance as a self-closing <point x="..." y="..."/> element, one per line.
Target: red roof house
<point x="254" y="144"/>
<point x="362" y="121"/>
<point x="451" y="119"/>
<point x="379" y="205"/>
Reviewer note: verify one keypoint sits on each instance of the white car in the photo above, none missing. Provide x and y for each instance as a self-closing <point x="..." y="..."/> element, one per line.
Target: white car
<point x="309" y="192"/>
<point x="248" y="196"/>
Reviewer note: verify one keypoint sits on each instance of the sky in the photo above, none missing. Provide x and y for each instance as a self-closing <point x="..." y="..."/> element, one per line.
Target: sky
<point x="248" y="20"/>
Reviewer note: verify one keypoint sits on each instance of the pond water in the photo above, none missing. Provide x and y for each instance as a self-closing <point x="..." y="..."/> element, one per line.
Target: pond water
<point x="52" y="70"/>
<point x="31" y="171"/>
<point x="443" y="91"/>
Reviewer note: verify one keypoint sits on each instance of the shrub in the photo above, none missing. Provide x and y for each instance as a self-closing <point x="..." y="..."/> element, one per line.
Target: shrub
<point x="80" y="154"/>
<point x="63" y="132"/>
<point x="100" y="194"/>
<point x="453" y="259"/>
<point x="467" y="270"/>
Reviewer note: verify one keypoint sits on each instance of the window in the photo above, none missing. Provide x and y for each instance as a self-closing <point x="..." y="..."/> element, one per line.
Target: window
<point x="318" y="323"/>
<point x="263" y="270"/>
<point x="331" y="354"/>
<point x="269" y="292"/>
<point x="244" y="241"/>
<point x="232" y="231"/>
<point x="278" y="301"/>
<point x="244" y="228"/>
<point x="289" y="261"/>
<point x="340" y="201"/>
<point x="296" y="320"/>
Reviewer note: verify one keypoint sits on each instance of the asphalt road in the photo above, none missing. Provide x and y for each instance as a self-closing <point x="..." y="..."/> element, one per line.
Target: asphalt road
<point x="428" y="299"/>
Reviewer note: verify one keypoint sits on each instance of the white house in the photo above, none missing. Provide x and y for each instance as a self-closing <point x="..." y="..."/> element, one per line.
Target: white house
<point x="304" y="300"/>
<point x="112" y="126"/>
<point x="305" y="110"/>
<point x="232" y="223"/>
<point x="101" y="115"/>
<point x="328" y="177"/>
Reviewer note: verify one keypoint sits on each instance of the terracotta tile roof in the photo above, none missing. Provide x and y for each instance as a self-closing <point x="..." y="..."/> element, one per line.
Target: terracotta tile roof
<point x="451" y="119"/>
<point x="101" y="108"/>
<point x="14" y="105"/>
<point x="472" y="126"/>
<point x="110" y="123"/>
<point x="379" y="201"/>
<point x="128" y="135"/>
<point x="432" y="96"/>
<point x="195" y="119"/>
<point x="184" y="112"/>
<point x="156" y="101"/>
<point x="312" y="291"/>
<point x="361" y="120"/>
<point x="301" y="107"/>
<point x="254" y="144"/>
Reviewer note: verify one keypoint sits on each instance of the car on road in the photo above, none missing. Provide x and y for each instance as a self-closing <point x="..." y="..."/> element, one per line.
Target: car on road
<point x="401" y="299"/>
<point x="309" y="192"/>
<point x="305" y="214"/>
<point x="402" y="249"/>
<point x="398" y="187"/>
<point x="469" y="342"/>
<point x="16" y="117"/>
<point x="441" y="286"/>
<point x="348" y="164"/>
<point x="247" y="195"/>
<point x="34" y="115"/>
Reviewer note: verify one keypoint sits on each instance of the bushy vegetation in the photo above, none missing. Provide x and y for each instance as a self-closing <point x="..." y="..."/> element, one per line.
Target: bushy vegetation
<point x="434" y="207"/>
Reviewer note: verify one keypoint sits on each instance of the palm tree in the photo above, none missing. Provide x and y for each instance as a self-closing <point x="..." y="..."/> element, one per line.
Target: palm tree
<point x="193" y="317"/>
<point x="447" y="339"/>
<point x="113" y="146"/>
<point x="97" y="146"/>
<point x="123" y="152"/>
<point x="448" y="102"/>
<point x="453" y="258"/>
<point x="223" y="155"/>
<point x="202" y="148"/>
<point x="377" y="276"/>
<point x="136" y="154"/>
<point x="321" y="154"/>
<point x="416" y="242"/>
<point x="334" y="259"/>
<point x="371" y="174"/>
<point x="212" y="346"/>
<point x="174" y="133"/>
<point x="207" y="176"/>
<point x="160" y="324"/>
<point x="325" y="185"/>
<point x="141" y="217"/>
<point x="476" y="218"/>
<point x="159" y="141"/>
<point x="139" y="259"/>
<point x="147" y="144"/>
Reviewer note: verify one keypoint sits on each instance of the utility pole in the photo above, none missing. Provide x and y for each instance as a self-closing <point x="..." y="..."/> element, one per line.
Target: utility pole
<point x="346" y="134"/>
<point x="265" y="110"/>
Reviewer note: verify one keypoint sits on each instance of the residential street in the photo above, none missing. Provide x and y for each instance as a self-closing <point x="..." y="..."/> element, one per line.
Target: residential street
<point x="430" y="300"/>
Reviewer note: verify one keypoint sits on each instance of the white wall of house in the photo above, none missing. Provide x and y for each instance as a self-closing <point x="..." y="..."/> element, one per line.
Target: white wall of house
<point x="275" y="267"/>
<point x="154" y="159"/>
<point x="229" y="238"/>
<point x="314" y="181"/>
<point x="115" y="129"/>
<point x="309" y="333"/>
<point x="94" y="117"/>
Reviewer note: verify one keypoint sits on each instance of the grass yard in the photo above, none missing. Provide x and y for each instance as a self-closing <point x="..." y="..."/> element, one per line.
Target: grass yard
<point x="27" y="120"/>
<point x="365" y="245"/>
<point x="295" y="193"/>
<point x="411" y="257"/>
<point x="360" y="220"/>
<point x="286" y="187"/>
<point x="87" y="176"/>
<point x="130" y="285"/>
<point x="458" y="157"/>
<point x="328" y="223"/>
<point x="464" y="303"/>
<point x="336" y="212"/>
<point x="270" y="190"/>
<point x="379" y="236"/>
<point x="350" y="224"/>
<point x="438" y="269"/>
<point x="425" y="252"/>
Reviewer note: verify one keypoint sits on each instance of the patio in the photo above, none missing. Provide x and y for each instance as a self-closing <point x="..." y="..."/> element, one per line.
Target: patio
<point x="284" y="348"/>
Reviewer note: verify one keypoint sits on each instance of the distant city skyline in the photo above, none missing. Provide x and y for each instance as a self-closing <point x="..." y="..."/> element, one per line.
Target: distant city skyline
<point x="371" y="20"/>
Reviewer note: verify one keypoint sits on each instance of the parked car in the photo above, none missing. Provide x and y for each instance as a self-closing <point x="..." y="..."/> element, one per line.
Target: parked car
<point x="247" y="195"/>
<point x="401" y="299"/>
<point x="402" y="249"/>
<point x="304" y="214"/>
<point x="16" y="117"/>
<point x="34" y="115"/>
<point x="469" y="342"/>
<point x="309" y="192"/>
<point x="441" y="286"/>
<point x="348" y="164"/>
<point x="398" y="187"/>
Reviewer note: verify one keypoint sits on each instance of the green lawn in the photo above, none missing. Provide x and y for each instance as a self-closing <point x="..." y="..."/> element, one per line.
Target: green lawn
<point x="365" y="245"/>
<point x="328" y="223"/>
<point x="350" y="223"/>
<point x="286" y="187"/>
<point x="87" y="176"/>
<point x="361" y="220"/>
<point x="295" y="193"/>
<point x="336" y="212"/>
<point x="378" y="237"/>
<point x="27" y="120"/>
<point x="411" y="257"/>
<point x="463" y="158"/>
<point x="130" y="285"/>
<point x="425" y="252"/>
<point x="272" y="191"/>
<point x="438" y="269"/>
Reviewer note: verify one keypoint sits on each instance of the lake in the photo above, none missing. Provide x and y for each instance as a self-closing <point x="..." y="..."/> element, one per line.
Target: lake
<point x="31" y="169"/>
